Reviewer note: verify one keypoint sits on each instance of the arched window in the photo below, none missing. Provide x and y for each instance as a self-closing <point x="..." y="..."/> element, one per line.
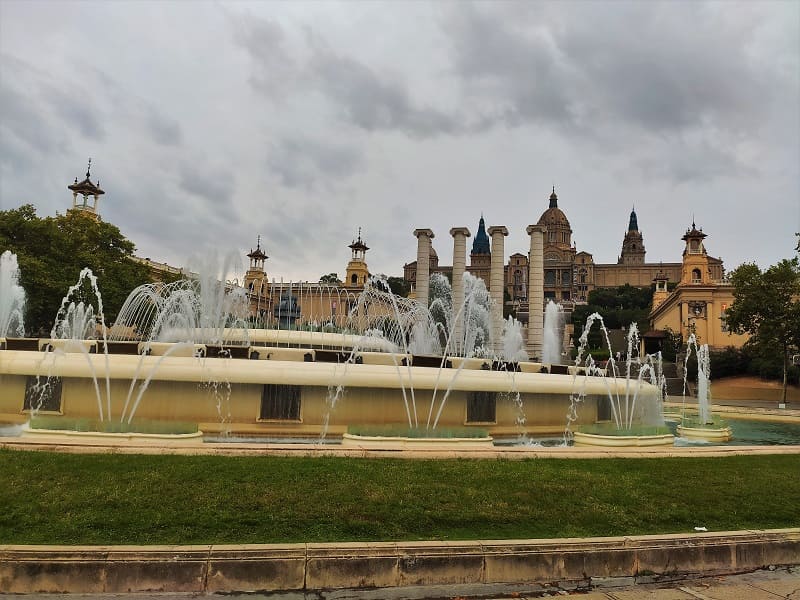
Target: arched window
<point x="354" y="279"/>
<point x="696" y="276"/>
<point x="582" y="274"/>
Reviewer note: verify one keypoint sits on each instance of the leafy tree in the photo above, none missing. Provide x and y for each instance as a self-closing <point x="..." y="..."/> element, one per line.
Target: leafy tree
<point x="51" y="253"/>
<point x="767" y="306"/>
<point x="331" y="279"/>
<point x="619" y="307"/>
<point x="399" y="286"/>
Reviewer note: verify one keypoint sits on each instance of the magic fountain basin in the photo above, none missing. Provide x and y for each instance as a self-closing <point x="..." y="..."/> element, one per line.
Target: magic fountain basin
<point x="113" y="439"/>
<point x="622" y="441"/>
<point x="368" y="442"/>
<point x="708" y="434"/>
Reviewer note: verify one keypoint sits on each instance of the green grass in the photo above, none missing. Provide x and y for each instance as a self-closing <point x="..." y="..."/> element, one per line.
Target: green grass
<point x="417" y="432"/>
<point x="128" y="499"/>
<point x="138" y="426"/>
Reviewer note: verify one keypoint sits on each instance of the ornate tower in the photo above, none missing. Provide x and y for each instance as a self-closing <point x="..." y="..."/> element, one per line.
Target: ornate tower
<point x="559" y="252"/>
<point x="357" y="271"/>
<point x="632" y="245"/>
<point x="696" y="269"/>
<point x="256" y="277"/>
<point x="480" y="259"/>
<point x="86" y="189"/>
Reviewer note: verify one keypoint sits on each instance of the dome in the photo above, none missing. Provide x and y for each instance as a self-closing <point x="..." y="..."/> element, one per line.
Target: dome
<point x="554" y="217"/>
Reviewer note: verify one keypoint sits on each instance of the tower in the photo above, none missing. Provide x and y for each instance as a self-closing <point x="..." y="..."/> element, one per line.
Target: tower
<point x="357" y="271"/>
<point x="661" y="291"/>
<point x="559" y="253"/>
<point x="480" y="259"/>
<point x="696" y="269"/>
<point x="86" y="189"/>
<point x="632" y="245"/>
<point x="256" y="277"/>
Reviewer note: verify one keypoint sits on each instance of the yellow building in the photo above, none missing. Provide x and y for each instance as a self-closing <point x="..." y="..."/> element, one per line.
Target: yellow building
<point x="698" y="303"/>
<point x="304" y="302"/>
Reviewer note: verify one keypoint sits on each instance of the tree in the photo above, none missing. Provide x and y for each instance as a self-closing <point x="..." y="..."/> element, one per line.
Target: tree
<point x="51" y="253"/>
<point x="330" y="279"/>
<point x="619" y="307"/>
<point x="399" y="286"/>
<point x="767" y="306"/>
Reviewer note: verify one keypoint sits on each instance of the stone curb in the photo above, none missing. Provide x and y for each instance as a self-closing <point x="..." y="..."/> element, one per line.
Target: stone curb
<point x="278" y="449"/>
<point x="569" y="563"/>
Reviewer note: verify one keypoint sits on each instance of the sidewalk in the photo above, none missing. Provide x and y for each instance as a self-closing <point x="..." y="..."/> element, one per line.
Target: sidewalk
<point x="759" y="585"/>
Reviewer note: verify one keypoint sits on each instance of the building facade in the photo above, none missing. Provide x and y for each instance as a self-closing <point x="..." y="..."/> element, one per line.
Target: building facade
<point x="698" y="304"/>
<point x="569" y="274"/>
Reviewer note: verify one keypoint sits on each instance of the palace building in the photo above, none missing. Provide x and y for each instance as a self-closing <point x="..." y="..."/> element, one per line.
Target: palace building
<point x="569" y="274"/>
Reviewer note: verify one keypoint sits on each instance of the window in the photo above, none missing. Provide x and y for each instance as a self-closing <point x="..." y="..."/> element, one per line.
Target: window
<point x="42" y="394"/>
<point x="482" y="407"/>
<point x="550" y="278"/>
<point x="696" y="276"/>
<point x="280" y="403"/>
<point x="603" y="408"/>
<point x="354" y="279"/>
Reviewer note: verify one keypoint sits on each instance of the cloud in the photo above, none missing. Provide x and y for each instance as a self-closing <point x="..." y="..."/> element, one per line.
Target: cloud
<point x="300" y="161"/>
<point x="165" y="131"/>
<point x="215" y="186"/>
<point x="356" y="94"/>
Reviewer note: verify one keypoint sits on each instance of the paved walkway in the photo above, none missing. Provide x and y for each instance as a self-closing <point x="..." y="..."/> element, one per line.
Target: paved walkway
<point x="760" y="585"/>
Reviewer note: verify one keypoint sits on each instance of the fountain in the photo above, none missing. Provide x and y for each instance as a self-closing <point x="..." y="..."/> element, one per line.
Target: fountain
<point x="185" y="353"/>
<point x="553" y="333"/>
<point x="632" y="414"/>
<point x="705" y="426"/>
<point x="12" y="297"/>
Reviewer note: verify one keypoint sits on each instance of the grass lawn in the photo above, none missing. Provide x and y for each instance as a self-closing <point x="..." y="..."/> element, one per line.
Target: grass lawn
<point x="127" y="499"/>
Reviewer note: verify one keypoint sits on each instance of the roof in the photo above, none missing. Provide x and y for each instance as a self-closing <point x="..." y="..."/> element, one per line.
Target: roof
<point x="480" y="245"/>
<point x="554" y="216"/>
<point x="359" y="244"/>
<point x="86" y="187"/>
<point x="633" y="224"/>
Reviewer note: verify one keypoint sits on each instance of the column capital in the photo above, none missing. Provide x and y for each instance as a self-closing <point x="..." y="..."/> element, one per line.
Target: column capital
<point x="497" y="229"/>
<point x="460" y="231"/>
<point x="537" y="228"/>
<point x="425" y="232"/>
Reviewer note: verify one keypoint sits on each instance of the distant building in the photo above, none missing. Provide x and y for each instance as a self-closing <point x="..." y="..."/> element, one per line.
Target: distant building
<point x="698" y="303"/>
<point x="569" y="274"/>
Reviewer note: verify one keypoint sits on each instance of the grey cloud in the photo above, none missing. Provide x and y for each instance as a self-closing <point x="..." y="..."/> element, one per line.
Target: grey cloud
<point x="23" y="120"/>
<point x="303" y="162"/>
<point x="359" y="96"/>
<point x="165" y="131"/>
<point x="216" y="187"/>
<point x="265" y="41"/>
<point x="579" y="65"/>
<point x="372" y="103"/>
<point x="78" y="111"/>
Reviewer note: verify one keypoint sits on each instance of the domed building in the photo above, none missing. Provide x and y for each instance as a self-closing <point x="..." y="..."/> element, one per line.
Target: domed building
<point x="569" y="274"/>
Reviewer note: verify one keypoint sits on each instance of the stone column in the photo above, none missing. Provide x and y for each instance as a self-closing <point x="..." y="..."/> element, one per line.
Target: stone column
<point x="497" y="283"/>
<point x="424" y="237"/>
<point x="536" y="291"/>
<point x="460" y="235"/>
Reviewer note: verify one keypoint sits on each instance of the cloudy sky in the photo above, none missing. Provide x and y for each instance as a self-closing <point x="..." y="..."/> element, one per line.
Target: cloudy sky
<point x="210" y="123"/>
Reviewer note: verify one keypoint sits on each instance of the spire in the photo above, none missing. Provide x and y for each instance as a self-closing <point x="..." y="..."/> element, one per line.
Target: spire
<point x="553" y="199"/>
<point x="89" y="168"/>
<point x="633" y="224"/>
<point x="480" y="245"/>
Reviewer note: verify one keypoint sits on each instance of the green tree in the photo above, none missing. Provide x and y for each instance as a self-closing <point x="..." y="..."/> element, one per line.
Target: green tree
<point x="619" y="307"/>
<point x="331" y="279"/>
<point x="767" y="306"/>
<point x="399" y="286"/>
<point x="51" y="253"/>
